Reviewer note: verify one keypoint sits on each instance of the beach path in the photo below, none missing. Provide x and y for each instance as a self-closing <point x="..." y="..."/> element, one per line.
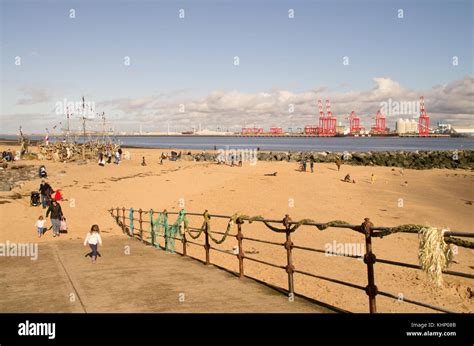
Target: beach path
<point x="130" y="277"/>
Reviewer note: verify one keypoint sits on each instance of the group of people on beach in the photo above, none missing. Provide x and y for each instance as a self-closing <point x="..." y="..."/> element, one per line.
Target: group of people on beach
<point x="48" y="194"/>
<point x="304" y="163"/>
<point x="106" y="156"/>
<point x="173" y="156"/>
<point x="233" y="162"/>
<point x="50" y="200"/>
<point x="347" y="179"/>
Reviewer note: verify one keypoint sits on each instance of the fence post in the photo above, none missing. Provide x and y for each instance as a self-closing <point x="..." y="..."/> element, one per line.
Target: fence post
<point x="183" y="239"/>
<point x="206" y="228"/>
<point x="369" y="259"/>
<point x="131" y="224"/>
<point x="289" y="246"/>
<point x="240" y="255"/>
<point x="152" y="227"/>
<point x="117" y="217"/>
<point x="140" y="211"/>
<point x="123" y="219"/>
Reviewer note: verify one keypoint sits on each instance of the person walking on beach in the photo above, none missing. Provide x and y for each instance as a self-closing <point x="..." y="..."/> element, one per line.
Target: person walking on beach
<point x="372" y="178"/>
<point x="118" y="156"/>
<point x="93" y="239"/>
<point x="109" y="156"/>
<point x="338" y="164"/>
<point x="101" y="160"/>
<point x="143" y="161"/>
<point x="56" y="216"/>
<point x="40" y="225"/>
<point x="44" y="189"/>
<point x="311" y="165"/>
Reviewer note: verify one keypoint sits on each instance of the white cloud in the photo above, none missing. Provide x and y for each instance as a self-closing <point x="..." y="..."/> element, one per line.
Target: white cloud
<point x="452" y="102"/>
<point x="34" y="95"/>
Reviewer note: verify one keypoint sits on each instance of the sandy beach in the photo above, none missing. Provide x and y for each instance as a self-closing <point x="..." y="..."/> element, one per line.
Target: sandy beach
<point x="437" y="198"/>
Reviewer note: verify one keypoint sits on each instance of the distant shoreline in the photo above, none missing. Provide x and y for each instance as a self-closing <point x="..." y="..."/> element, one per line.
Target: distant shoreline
<point x="2" y="136"/>
<point x="275" y="144"/>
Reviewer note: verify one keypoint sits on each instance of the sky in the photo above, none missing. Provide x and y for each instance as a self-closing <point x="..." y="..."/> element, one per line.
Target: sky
<point x="144" y="65"/>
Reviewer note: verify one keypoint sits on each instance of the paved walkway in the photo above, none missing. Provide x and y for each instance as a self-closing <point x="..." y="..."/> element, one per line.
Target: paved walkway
<point x="145" y="280"/>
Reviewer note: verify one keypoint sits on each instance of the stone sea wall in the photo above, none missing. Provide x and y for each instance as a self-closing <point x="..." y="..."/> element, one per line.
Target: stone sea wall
<point x="463" y="159"/>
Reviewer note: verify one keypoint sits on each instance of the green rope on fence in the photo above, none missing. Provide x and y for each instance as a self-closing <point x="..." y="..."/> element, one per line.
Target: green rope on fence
<point x="207" y="225"/>
<point x="459" y="242"/>
<point x="197" y="235"/>
<point x="397" y="229"/>
<point x="250" y="219"/>
<point x="418" y="229"/>
<point x="274" y="229"/>
<point x="334" y="223"/>
<point x="131" y="221"/>
<point x="171" y="231"/>
<point x="157" y="226"/>
<point x="300" y="223"/>
<point x="161" y="226"/>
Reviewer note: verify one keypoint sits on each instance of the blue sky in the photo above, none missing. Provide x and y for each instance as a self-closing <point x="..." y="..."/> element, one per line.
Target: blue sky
<point x="193" y="57"/>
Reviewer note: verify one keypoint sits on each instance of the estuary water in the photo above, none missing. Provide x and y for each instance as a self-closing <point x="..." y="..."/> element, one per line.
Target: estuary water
<point x="337" y="144"/>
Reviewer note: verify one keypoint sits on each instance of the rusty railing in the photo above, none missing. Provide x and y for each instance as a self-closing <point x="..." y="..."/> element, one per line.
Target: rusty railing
<point x="366" y="228"/>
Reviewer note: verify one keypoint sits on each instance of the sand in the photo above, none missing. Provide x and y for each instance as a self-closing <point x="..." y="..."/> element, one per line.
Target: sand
<point x="438" y="198"/>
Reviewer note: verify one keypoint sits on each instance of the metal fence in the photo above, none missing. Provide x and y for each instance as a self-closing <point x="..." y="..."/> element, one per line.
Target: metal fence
<point x="367" y="229"/>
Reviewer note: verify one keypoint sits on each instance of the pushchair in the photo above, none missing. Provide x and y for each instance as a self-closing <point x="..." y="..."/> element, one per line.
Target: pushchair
<point x="42" y="172"/>
<point x="35" y="199"/>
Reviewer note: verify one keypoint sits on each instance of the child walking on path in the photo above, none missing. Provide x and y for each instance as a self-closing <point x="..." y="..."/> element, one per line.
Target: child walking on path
<point x="93" y="239"/>
<point x="40" y="225"/>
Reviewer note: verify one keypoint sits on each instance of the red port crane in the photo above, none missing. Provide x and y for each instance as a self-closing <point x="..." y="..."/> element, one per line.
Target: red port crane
<point x="354" y="124"/>
<point x="251" y="131"/>
<point x="329" y="122"/>
<point x="380" y="127"/>
<point x="276" y="130"/>
<point x="424" y="120"/>
<point x="322" y="119"/>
